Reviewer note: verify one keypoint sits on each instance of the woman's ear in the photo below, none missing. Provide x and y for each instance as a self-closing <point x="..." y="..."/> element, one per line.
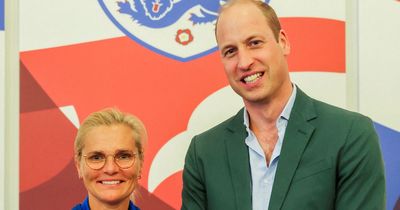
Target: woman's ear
<point x="78" y="167"/>
<point x="139" y="174"/>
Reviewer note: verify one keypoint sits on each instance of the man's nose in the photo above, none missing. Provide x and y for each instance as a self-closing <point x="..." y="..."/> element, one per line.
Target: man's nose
<point x="245" y="60"/>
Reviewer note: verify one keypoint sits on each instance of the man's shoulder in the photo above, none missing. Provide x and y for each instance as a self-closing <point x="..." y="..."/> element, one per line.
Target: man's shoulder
<point x="224" y="126"/>
<point x="212" y="144"/>
<point x="331" y="116"/>
<point x="323" y="109"/>
<point x="335" y="112"/>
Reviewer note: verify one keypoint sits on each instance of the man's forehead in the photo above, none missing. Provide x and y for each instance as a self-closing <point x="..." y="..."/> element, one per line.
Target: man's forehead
<point x="238" y="6"/>
<point x="237" y="16"/>
<point x="239" y="11"/>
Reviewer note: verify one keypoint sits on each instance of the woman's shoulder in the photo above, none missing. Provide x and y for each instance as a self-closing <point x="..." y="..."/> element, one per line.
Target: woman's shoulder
<point x="77" y="207"/>
<point x="132" y="206"/>
<point x="82" y="206"/>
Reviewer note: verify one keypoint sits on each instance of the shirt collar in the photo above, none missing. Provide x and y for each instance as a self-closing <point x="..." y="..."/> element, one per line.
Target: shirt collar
<point x="85" y="205"/>
<point x="285" y="114"/>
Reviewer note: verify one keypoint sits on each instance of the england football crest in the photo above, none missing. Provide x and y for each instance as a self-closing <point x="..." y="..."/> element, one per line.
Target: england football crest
<point x="187" y="26"/>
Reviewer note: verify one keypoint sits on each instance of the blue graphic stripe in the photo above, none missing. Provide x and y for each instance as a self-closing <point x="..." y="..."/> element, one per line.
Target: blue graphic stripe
<point x="2" y="15"/>
<point x="390" y="143"/>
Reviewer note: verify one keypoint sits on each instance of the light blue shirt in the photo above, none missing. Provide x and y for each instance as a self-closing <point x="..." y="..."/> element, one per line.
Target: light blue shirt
<point x="263" y="175"/>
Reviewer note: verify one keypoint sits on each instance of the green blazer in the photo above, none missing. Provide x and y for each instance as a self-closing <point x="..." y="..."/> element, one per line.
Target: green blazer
<point x="330" y="159"/>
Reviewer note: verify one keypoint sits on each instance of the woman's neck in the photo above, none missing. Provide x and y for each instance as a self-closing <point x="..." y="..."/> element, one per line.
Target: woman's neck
<point x="99" y="205"/>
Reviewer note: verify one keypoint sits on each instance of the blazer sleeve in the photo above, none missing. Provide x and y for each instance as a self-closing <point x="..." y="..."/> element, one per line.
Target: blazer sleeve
<point x="361" y="180"/>
<point x="193" y="193"/>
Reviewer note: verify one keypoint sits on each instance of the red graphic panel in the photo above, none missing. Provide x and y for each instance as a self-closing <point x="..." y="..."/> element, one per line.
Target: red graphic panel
<point x="317" y="44"/>
<point x="160" y="91"/>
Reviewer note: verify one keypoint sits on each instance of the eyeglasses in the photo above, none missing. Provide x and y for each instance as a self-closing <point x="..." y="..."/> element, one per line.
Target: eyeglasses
<point x="97" y="160"/>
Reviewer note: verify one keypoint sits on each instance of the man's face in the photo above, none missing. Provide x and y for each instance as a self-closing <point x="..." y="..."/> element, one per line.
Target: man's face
<point x="254" y="61"/>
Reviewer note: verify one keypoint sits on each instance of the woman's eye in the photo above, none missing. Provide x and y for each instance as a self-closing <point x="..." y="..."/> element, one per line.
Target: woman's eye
<point x="96" y="157"/>
<point x="123" y="156"/>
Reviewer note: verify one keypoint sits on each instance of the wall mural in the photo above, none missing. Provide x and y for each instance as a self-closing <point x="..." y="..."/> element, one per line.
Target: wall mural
<point x="158" y="60"/>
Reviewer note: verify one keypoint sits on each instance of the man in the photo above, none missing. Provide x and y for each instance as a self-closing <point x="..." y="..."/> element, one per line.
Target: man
<point x="283" y="150"/>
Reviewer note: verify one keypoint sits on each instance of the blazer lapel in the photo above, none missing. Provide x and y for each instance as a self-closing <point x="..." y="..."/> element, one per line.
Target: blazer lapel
<point x="238" y="159"/>
<point x="297" y="135"/>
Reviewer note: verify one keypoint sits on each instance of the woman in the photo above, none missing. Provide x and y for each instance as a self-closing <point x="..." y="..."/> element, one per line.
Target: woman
<point x="109" y="158"/>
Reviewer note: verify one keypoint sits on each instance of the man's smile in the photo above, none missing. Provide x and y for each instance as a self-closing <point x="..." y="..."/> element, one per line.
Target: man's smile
<point x="252" y="78"/>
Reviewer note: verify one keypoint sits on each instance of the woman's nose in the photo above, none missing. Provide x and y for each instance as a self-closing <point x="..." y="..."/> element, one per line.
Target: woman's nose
<point x="110" y="166"/>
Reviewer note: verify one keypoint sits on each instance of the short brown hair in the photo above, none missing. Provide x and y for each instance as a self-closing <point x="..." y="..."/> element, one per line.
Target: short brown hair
<point x="266" y="10"/>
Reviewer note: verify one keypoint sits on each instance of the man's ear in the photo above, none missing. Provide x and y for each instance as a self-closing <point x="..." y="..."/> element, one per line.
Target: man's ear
<point x="284" y="42"/>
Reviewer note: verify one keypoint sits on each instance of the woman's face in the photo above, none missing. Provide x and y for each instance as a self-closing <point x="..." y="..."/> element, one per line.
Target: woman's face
<point x="110" y="184"/>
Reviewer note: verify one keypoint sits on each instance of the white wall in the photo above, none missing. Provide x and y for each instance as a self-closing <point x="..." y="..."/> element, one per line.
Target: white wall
<point x="10" y="106"/>
<point x="2" y="118"/>
<point x="2" y="105"/>
<point x="379" y="60"/>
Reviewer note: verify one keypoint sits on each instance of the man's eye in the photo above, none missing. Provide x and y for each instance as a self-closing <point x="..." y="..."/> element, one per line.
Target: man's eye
<point x="229" y="52"/>
<point x="255" y="43"/>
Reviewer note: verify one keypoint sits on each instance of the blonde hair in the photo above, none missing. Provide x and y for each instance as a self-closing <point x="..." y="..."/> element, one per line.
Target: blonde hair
<point x="108" y="117"/>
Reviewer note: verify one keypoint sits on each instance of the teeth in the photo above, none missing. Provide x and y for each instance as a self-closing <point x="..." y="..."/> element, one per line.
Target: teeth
<point x="110" y="182"/>
<point x="252" y="78"/>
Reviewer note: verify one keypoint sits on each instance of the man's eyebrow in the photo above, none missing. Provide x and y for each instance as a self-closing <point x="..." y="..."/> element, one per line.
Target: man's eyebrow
<point x="228" y="46"/>
<point x="251" y="38"/>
